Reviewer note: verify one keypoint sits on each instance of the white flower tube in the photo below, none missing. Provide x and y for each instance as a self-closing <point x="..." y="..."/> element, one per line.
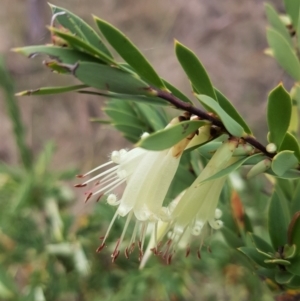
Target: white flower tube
<point x="148" y="175"/>
<point x="198" y="206"/>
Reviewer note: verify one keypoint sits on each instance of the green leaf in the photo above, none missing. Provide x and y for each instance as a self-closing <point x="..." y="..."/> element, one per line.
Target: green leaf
<point x="78" y="27"/>
<point x="194" y="70"/>
<point x="61" y="54"/>
<point x="283" y="277"/>
<point x="290" y="174"/>
<point x="106" y="78"/>
<point x="277" y="261"/>
<point x="138" y="98"/>
<point x="284" y="161"/>
<point x="169" y="136"/>
<point x="261" y="244"/>
<point x="231" y="238"/>
<point x="51" y="90"/>
<point x="295" y="205"/>
<point x="121" y="117"/>
<point x="255" y="256"/>
<point x="129" y="52"/>
<point x="292" y="8"/>
<point x="81" y="45"/>
<point x="294" y="283"/>
<point x="229" y="169"/>
<point x="284" y="54"/>
<point x="289" y="251"/>
<point x="129" y="129"/>
<point x="151" y="116"/>
<point x="260" y="167"/>
<point x="290" y="142"/>
<point x="294" y="232"/>
<point x="295" y="93"/>
<point x="278" y="221"/>
<point x="231" y="111"/>
<point x="294" y="267"/>
<point x="277" y="24"/>
<point x="279" y="114"/>
<point x="230" y="124"/>
<point x="294" y="123"/>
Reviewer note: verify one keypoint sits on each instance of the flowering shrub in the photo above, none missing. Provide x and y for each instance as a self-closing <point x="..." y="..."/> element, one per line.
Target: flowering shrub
<point x="177" y="202"/>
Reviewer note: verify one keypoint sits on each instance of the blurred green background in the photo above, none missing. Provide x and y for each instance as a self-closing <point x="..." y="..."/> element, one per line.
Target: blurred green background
<point x="48" y="236"/>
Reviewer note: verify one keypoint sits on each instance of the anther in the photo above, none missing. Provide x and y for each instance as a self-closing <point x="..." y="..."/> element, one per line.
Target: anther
<point x="88" y="197"/>
<point x="80" y="185"/>
<point x="99" y="249"/>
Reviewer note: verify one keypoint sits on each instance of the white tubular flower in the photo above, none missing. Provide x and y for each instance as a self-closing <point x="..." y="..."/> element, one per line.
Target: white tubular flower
<point x="197" y="208"/>
<point x="148" y="175"/>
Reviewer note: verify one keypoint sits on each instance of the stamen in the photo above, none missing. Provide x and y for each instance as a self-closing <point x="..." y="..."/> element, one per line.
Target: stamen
<point x="98" y="167"/>
<point x="116" y="252"/>
<point x="100" y="248"/>
<point x="102" y="174"/>
<point x="115" y="184"/>
<point x="132" y="240"/>
<point x="109" y="227"/>
<point x="80" y="185"/>
<point x="88" y="196"/>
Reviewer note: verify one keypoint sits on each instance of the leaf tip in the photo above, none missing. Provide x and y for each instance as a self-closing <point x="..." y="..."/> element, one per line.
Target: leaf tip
<point x="22" y="93"/>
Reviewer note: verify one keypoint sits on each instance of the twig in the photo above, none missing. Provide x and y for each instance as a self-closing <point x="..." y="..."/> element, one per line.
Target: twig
<point x="203" y="115"/>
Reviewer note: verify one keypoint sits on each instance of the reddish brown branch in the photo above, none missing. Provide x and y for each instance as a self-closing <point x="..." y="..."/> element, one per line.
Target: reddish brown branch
<point x="203" y="115"/>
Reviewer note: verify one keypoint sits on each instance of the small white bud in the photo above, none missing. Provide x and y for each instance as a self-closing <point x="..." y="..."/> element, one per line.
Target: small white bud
<point x="144" y="135"/>
<point x="218" y="213"/>
<point x="112" y="200"/>
<point x="271" y="148"/>
<point x="216" y="224"/>
<point x="115" y="157"/>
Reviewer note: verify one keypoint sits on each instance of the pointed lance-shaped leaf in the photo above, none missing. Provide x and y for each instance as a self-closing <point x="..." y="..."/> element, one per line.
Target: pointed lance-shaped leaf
<point x="138" y="98"/>
<point x="255" y="256"/>
<point x="51" y="90"/>
<point x="81" y="45"/>
<point x="279" y="114"/>
<point x="278" y="261"/>
<point x="294" y="232"/>
<point x="283" y="53"/>
<point x="230" y="124"/>
<point x="283" y="277"/>
<point x="79" y="28"/>
<point x="248" y="160"/>
<point x="290" y="142"/>
<point x="261" y="244"/>
<point x="259" y="168"/>
<point x="194" y="70"/>
<point x="292" y="8"/>
<point x="277" y="24"/>
<point x="278" y="221"/>
<point x="61" y="54"/>
<point x="169" y="136"/>
<point x="129" y="52"/>
<point x="108" y="78"/>
<point x="231" y="110"/>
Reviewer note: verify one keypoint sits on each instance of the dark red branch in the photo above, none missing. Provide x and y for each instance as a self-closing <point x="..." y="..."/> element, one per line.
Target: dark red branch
<point x="205" y="116"/>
